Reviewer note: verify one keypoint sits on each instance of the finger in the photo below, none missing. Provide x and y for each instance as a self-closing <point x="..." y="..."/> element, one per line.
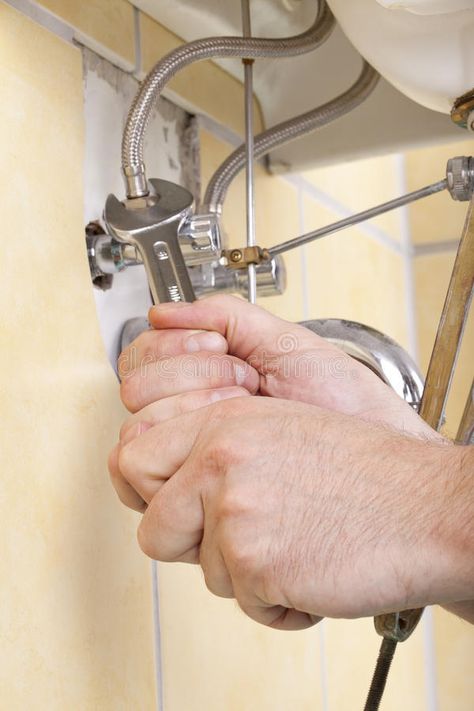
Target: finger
<point x="172" y="527"/>
<point x="172" y="376"/>
<point x="125" y="491"/>
<point x="276" y="616"/>
<point x="216" y="575"/>
<point x="176" y="405"/>
<point x="246" y="327"/>
<point x="152" y="345"/>
<point x="146" y="460"/>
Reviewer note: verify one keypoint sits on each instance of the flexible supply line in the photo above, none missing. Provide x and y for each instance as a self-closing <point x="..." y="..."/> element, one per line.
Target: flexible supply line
<point x="212" y="47"/>
<point x="287" y="131"/>
<point x="249" y="154"/>
<point x="359" y="217"/>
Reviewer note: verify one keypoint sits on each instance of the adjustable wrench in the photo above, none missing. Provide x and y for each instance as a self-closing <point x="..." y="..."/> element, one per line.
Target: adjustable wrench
<point x="151" y="224"/>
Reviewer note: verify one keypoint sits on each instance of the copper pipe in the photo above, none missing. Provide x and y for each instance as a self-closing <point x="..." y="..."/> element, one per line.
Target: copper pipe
<point x="450" y="329"/>
<point x="465" y="433"/>
<point x="439" y="377"/>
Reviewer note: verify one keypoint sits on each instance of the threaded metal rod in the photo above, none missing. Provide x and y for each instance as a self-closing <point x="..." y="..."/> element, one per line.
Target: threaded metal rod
<point x="379" y="679"/>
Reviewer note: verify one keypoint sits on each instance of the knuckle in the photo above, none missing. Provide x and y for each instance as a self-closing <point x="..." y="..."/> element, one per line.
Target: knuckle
<point x="231" y="504"/>
<point x="145" y="343"/>
<point x="129" y="391"/>
<point x="125" y="426"/>
<point x="193" y="401"/>
<point x="127" y="461"/>
<point x="229" y="408"/>
<point x="222" y="452"/>
<point x="241" y="559"/>
<point x="146" y="542"/>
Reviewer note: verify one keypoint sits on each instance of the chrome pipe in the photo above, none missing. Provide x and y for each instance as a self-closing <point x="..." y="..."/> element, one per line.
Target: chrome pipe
<point x="249" y="153"/>
<point x="359" y="217"/>
<point x="381" y="354"/>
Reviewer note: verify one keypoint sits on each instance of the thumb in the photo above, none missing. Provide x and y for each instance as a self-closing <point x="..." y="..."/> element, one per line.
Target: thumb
<point x="248" y="329"/>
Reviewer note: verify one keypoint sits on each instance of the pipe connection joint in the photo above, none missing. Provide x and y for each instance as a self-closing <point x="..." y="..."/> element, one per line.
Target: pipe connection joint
<point x="460" y="177"/>
<point x="136" y="184"/>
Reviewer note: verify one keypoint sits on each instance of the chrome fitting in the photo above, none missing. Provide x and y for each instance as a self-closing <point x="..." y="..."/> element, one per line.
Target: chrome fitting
<point x="136" y="185"/>
<point x="460" y="177"/>
<point x="200" y="238"/>
<point x="212" y="278"/>
<point x="107" y="256"/>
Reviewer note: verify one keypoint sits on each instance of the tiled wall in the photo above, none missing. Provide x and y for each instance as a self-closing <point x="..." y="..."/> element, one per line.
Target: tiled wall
<point x="75" y="616"/>
<point x="77" y="605"/>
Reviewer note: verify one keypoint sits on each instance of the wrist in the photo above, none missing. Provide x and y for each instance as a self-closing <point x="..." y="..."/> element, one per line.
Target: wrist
<point x="451" y="533"/>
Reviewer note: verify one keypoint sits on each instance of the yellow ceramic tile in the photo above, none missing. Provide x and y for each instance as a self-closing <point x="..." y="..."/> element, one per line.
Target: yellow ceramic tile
<point x="103" y="25"/>
<point x="276" y="220"/>
<point x="454" y="654"/>
<point x="216" y="658"/>
<point x="432" y="274"/>
<point x="351" y="276"/>
<point x="363" y="184"/>
<point x="437" y="218"/>
<point x="351" y="648"/>
<point x="75" y="614"/>
<point x="204" y="86"/>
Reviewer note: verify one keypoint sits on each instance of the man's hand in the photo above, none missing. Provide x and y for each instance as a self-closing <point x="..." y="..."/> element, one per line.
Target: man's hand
<point x="245" y="347"/>
<point x="300" y="512"/>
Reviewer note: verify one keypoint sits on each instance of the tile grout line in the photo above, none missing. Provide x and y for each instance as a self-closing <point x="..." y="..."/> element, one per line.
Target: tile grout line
<point x="227" y="135"/>
<point x="67" y="32"/>
<point x="447" y="245"/>
<point x="323" y="666"/>
<point x="219" y="131"/>
<point x="429" y="648"/>
<point x="333" y="205"/>
<point x="303" y="258"/>
<point x="157" y="637"/>
<point x="407" y="257"/>
<point x="41" y="16"/>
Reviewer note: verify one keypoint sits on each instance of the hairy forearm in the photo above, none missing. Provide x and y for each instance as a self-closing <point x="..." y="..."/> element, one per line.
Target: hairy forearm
<point x="452" y="532"/>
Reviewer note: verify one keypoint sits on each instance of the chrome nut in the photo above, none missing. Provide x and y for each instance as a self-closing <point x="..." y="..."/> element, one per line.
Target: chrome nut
<point x="460" y="177"/>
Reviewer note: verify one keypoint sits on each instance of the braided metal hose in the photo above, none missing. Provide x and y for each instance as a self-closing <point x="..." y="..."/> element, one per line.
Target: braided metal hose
<point x="287" y="131"/>
<point x="138" y="117"/>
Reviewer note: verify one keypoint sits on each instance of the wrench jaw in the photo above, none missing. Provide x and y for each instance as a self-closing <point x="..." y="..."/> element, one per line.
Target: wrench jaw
<point x="151" y="224"/>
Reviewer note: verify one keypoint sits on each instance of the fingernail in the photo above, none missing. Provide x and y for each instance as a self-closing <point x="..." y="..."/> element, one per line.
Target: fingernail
<point x="205" y="341"/>
<point x="170" y="305"/>
<point x="134" y="431"/>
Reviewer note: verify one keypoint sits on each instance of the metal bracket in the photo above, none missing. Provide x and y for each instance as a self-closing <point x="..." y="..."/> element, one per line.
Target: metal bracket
<point x="243" y="256"/>
<point x="462" y="113"/>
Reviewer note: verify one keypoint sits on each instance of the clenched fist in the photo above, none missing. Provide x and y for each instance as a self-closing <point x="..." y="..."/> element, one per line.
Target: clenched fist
<point x="310" y="500"/>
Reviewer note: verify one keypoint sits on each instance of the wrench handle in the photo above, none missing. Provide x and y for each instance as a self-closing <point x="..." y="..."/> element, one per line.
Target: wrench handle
<point x="167" y="273"/>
